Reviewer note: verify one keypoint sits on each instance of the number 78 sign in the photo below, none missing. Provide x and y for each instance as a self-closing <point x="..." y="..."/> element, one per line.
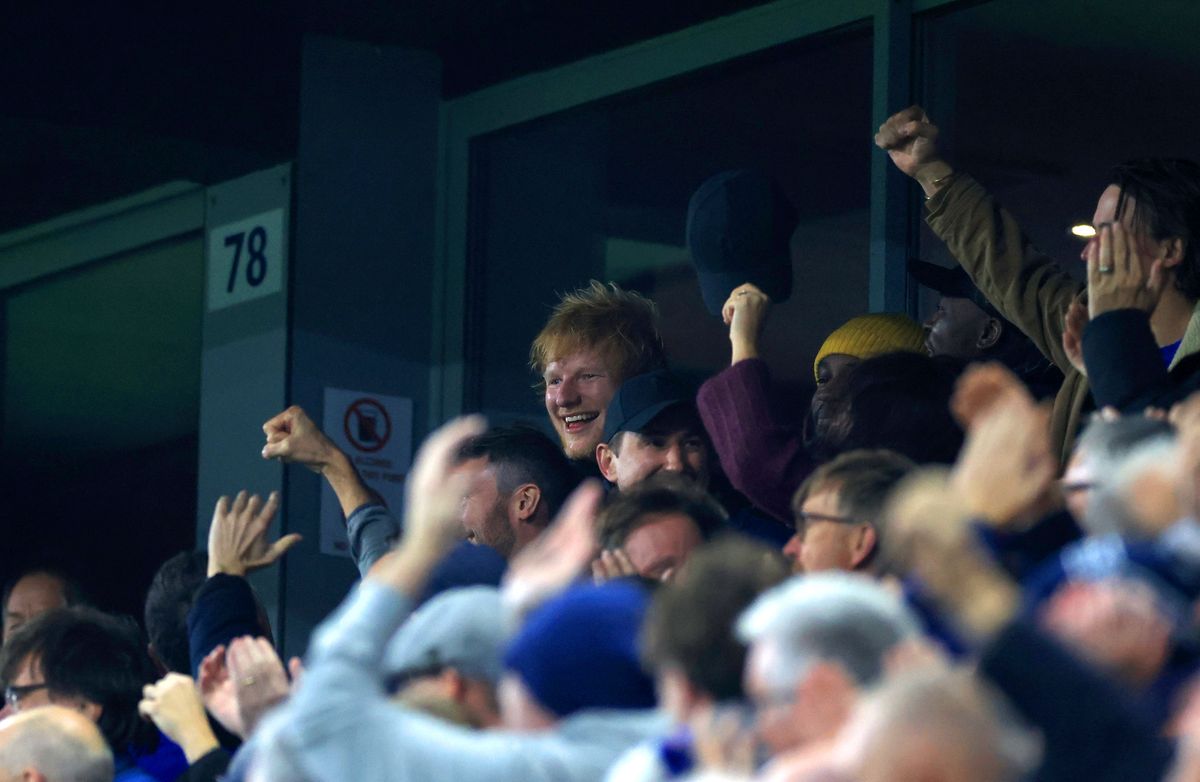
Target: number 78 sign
<point x="245" y="260"/>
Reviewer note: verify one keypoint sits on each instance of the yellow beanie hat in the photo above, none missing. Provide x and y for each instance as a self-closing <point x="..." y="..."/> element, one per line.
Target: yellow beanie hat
<point x="873" y="335"/>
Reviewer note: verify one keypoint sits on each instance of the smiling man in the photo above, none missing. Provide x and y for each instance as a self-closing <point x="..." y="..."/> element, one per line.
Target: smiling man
<point x="523" y="481"/>
<point x="596" y="338"/>
<point x="652" y="426"/>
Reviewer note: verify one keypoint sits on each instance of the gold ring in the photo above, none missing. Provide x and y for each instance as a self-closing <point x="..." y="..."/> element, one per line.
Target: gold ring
<point x="247" y="681"/>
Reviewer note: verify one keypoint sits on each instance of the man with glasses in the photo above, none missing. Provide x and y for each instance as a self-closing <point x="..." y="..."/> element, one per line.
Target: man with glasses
<point x="839" y="509"/>
<point x="94" y="664"/>
<point x="816" y="643"/>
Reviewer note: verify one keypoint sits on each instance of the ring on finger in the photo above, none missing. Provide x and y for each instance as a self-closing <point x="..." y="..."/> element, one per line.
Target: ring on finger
<point x="1106" y="269"/>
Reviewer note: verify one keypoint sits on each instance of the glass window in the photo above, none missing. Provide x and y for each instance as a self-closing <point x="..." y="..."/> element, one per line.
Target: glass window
<point x="601" y="191"/>
<point x="101" y="386"/>
<point x="1039" y="100"/>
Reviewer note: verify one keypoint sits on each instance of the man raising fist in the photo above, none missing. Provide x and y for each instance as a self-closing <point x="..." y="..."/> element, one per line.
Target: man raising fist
<point x="1156" y="203"/>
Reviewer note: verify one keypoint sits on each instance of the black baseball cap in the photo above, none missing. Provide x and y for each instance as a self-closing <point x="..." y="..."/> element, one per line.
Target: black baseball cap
<point x="951" y="281"/>
<point x="641" y="399"/>
<point x="739" y="229"/>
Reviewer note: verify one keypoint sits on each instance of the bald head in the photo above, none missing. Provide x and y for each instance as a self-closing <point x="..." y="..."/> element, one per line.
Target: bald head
<point x="53" y="744"/>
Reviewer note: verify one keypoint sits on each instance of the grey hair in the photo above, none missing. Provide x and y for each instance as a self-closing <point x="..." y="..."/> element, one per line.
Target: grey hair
<point x="59" y="754"/>
<point x="1120" y="459"/>
<point x="1106" y="444"/>
<point x="844" y="618"/>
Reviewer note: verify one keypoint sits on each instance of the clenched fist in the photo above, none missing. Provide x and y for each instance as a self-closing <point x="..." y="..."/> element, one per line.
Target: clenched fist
<point x="910" y="139"/>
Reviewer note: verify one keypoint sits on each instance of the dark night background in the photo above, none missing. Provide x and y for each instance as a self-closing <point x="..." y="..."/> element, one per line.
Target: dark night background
<point x="103" y="100"/>
<point x="107" y="99"/>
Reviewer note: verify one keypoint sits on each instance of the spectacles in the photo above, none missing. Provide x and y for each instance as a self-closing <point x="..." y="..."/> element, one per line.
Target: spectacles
<point x="13" y="694"/>
<point x="803" y="519"/>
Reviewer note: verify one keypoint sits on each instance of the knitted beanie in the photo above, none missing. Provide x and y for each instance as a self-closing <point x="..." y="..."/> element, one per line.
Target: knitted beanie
<point x="873" y="335"/>
<point x="579" y="650"/>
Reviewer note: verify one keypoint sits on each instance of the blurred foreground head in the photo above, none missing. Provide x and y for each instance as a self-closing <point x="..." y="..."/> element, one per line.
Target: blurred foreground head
<point x="936" y="725"/>
<point x="53" y="744"/>
<point x="816" y="642"/>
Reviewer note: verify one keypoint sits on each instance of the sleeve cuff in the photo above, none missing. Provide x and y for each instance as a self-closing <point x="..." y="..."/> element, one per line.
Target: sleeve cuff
<point x="1123" y="360"/>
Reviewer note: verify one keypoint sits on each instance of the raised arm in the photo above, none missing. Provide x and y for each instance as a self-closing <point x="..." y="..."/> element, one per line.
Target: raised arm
<point x="372" y="529"/>
<point x="762" y="453"/>
<point x="1091" y="730"/>
<point x="292" y="437"/>
<point x="225" y="607"/>
<point x="1027" y="287"/>
<point x="340" y="724"/>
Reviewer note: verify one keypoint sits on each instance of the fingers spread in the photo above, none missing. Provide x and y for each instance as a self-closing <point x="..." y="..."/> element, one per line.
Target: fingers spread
<point x="253" y="505"/>
<point x="270" y="508"/>
<point x="279" y="548"/>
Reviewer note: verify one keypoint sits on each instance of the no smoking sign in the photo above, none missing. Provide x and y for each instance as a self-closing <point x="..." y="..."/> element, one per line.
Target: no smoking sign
<point x="375" y="431"/>
<point x="367" y="425"/>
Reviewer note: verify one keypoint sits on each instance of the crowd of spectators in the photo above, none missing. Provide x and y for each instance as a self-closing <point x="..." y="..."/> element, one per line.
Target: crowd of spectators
<point x="973" y="555"/>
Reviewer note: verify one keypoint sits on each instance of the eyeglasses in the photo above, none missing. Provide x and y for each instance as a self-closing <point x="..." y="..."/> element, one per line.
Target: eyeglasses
<point x="803" y="519"/>
<point x="807" y="517"/>
<point x="13" y="694"/>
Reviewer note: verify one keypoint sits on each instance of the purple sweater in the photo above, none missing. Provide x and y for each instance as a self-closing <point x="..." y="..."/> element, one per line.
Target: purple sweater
<point x="762" y="453"/>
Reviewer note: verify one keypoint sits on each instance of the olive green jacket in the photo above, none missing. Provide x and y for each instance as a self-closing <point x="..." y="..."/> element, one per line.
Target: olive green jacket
<point x="1028" y="288"/>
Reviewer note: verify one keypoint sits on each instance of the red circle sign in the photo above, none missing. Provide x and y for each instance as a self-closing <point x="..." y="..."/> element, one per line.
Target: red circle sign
<point x="367" y="425"/>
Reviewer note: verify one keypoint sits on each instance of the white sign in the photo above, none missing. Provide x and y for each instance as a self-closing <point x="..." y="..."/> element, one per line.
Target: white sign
<point x="375" y="431"/>
<point x="245" y="260"/>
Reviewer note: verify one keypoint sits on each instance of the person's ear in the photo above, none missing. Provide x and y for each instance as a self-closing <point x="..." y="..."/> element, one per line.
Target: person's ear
<point x="606" y="460"/>
<point x="1171" y="251"/>
<point x="525" y="501"/>
<point x="863" y="544"/>
<point x="90" y="709"/>
<point x="989" y="335"/>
